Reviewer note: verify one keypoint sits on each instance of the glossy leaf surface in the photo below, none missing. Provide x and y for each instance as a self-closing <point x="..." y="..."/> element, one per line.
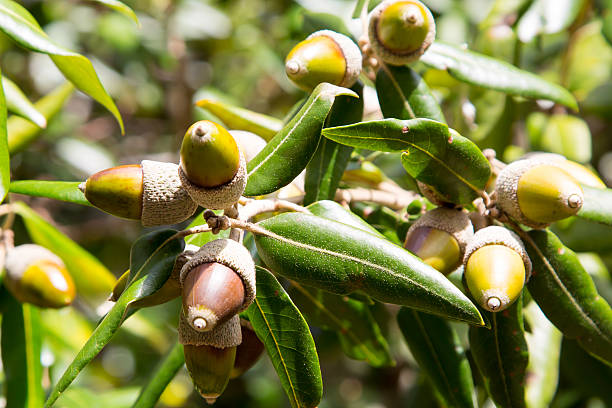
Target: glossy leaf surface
<point x="120" y="7"/>
<point x="342" y="259"/>
<point x="57" y="190"/>
<point x="288" y="153"/>
<point x="597" y="205"/>
<point x="336" y="212"/>
<point x="288" y="342"/>
<point x="161" y="377"/>
<point x="432" y="153"/>
<point x="18" y="103"/>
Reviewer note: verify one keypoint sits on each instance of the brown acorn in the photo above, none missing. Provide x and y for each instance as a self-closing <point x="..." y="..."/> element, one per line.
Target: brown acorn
<point x="248" y="352"/>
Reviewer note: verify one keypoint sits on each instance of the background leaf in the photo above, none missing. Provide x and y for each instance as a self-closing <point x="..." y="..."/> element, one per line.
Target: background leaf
<point x="597" y="205"/>
<point x="121" y="8"/>
<point x="287" y="339"/>
<point x="57" y="190"/>
<point x="18" y="103"/>
<point x="5" y="168"/>
<point x="547" y="17"/>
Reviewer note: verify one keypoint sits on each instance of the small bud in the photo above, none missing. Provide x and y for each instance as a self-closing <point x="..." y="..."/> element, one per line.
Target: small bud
<point x="400" y="31"/>
<point x="324" y="56"/>
<point x="35" y="275"/>
<point x="248" y="352"/>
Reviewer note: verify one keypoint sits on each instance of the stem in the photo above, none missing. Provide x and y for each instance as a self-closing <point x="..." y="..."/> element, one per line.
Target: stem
<point x="255" y="207"/>
<point x="392" y="200"/>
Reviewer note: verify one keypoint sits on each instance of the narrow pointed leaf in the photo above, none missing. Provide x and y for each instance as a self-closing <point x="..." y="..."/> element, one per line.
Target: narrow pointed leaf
<point x="19" y="104"/>
<point x="22" y="132"/>
<point x="432" y="153"/>
<point x="501" y="355"/>
<point x="121" y="8"/>
<point x="403" y="94"/>
<point x="288" y="153"/>
<point x="288" y="342"/>
<point x="90" y="276"/>
<point x="597" y="205"/>
<point x="351" y="320"/>
<point x="21" y="345"/>
<point x="478" y="69"/>
<point x="243" y="119"/>
<point x="57" y="190"/>
<point x="153" y="258"/>
<point x="437" y="349"/>
<point x="341" y="259"/>
<point x="161" y="377"/>
<point x="325" y="170"/>
<point x="335" y="212"/>
<point x="5" y="168"/>
<point x="21" y="27"/>
<point x="567" y="295"/>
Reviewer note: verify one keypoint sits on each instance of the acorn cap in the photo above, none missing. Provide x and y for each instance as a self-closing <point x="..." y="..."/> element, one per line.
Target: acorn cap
<point x="219" y="197"/>
<point x="455" y="222"/>
<point x="164" y="200"/>
<point x="406" y="27"/>
<point x="225" y="335"/>
<point x="250" y="143"/>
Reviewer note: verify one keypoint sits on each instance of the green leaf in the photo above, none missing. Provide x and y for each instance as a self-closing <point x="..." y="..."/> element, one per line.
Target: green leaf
<point x="403" y="94"/>
<point x="204" y="237"/>
<point x="21" y="345"/>
<point x="547" y="17"/>
<point x="351" y="320"/>
<point x="437" y="349"/>
<point x="22" y="132"/>
<point x="19" y="25"/>
<point x="288" y="153"/>
<point x="432" y="153"/>
<point x="480" y="70"/>
<point x="243" y="119"/>
<point x="566" y="294"/>
<point x="325" y="170"/>
<point x="359" y="6"/>
<point x="569" y="136"/>
<point x="597" y="205"/>
<point x="19" y="104"/>
<point x="5" y="167"/>
<point x="160" y="379"/>
<point x="79" y="397"/>
<point x="501" y="355"/>
<point x="151" y="261"/>
<point x="582" y="235"/>
<point x="57" y="190"/>
<point x="544" y="343"/>
<point x="335" y="212"/>
<point x="121" y="8"/>
<point x="341" y="259"/>
<point x="288" y="342"/>
<point x="90" y="276"/>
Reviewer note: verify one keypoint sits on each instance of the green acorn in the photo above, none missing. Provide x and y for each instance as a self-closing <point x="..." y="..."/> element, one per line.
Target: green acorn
<point x="248" y="352"/>
<point x="582" y="174"/>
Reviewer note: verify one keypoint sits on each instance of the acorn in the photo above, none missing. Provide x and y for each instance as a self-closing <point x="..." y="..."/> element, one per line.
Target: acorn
<point x="582" y="174"/>
<point x="218" y="282"/>
<point x="536" y="193"/>
<point x="150" y="192"/>
<point x="36" y="275"/>
<point x="250" y="143"/>
<point x="401" y="31"/>
<point x="324" y="56"/>
<point x="439" y="238"/>
<point x="496" y="267"/>
<point x="212" y="167"/>
<point x="248" y="352"/>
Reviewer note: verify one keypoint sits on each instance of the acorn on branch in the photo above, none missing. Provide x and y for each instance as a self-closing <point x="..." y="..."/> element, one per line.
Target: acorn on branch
<point x="537" y="193"/>
<point x="324" y="56"/>
<point x="150" y="192"/>
<point x="582" y="174"/>
<point x="248" y="352"/>
<point x="212" y="167"/>
<point x="400" y="31"/>
<point x="36" y="275"/>
<point x="439" y="238"/>
<point x="218" y="282"/>
<point x="496" y="267"/>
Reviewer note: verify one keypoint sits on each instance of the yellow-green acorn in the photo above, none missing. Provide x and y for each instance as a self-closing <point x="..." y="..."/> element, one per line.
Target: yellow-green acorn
<point x="218" y="282"/>
<point x="36" y="275"/>
<point x="536" y="193"/>
<point x="496" y="267"/>
<point x="324" y="56"/>
<point x="248" y="352"/>
<point x="212" y="167"/>
<point x="582" y="174"/>
<point x="439" y="238"/>
<point x="400" y="31"/>
<point x="150" y="192"/>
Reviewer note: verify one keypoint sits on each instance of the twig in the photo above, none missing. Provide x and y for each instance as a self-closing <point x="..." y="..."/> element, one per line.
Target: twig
<point x="251" y="207"/>
<point x="394" y="201"/>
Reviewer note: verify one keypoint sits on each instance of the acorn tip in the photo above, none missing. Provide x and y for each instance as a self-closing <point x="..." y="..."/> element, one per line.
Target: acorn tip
<point x="199" y="323"/>
<point x="493" y="303"/>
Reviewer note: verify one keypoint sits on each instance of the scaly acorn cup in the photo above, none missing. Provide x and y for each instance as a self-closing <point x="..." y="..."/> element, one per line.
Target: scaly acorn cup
<point x="439" y="238"/>
<point x="212" y="167"/>
<point x="218" y="282"/>
<point x="401" y="31"/>
<point x="324" y="56"/>
<point x="496" y="267"/>
<point x="248" y="352"/>
<point x="150" y="192"/>
<point x="536" y="193"/>
<point x="582" y="174"/>
<point x="36" y="275"/>
<point x="210" y="356"/>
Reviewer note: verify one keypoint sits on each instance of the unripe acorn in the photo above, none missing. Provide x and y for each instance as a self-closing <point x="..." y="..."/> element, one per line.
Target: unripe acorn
<point x="496" y="267"/>
<point x="218" y="282"/>
<point x="36" y="275"/>
<point x="324" y="56"/>
<point x="536" y="193"/>
<point x="582" y="174"/>
<point x="248" y="352"/>
<point x="439" y="238"/>
<point x="150" y="192"/>
<point x="400" y="31"/>
<point x="212" y="167"/>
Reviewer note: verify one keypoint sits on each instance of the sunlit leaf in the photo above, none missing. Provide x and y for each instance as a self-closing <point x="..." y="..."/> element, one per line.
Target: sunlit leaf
<point x="19" y="104"/>
<point x="57" y="190"/>
<point x="121" y="8"/>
